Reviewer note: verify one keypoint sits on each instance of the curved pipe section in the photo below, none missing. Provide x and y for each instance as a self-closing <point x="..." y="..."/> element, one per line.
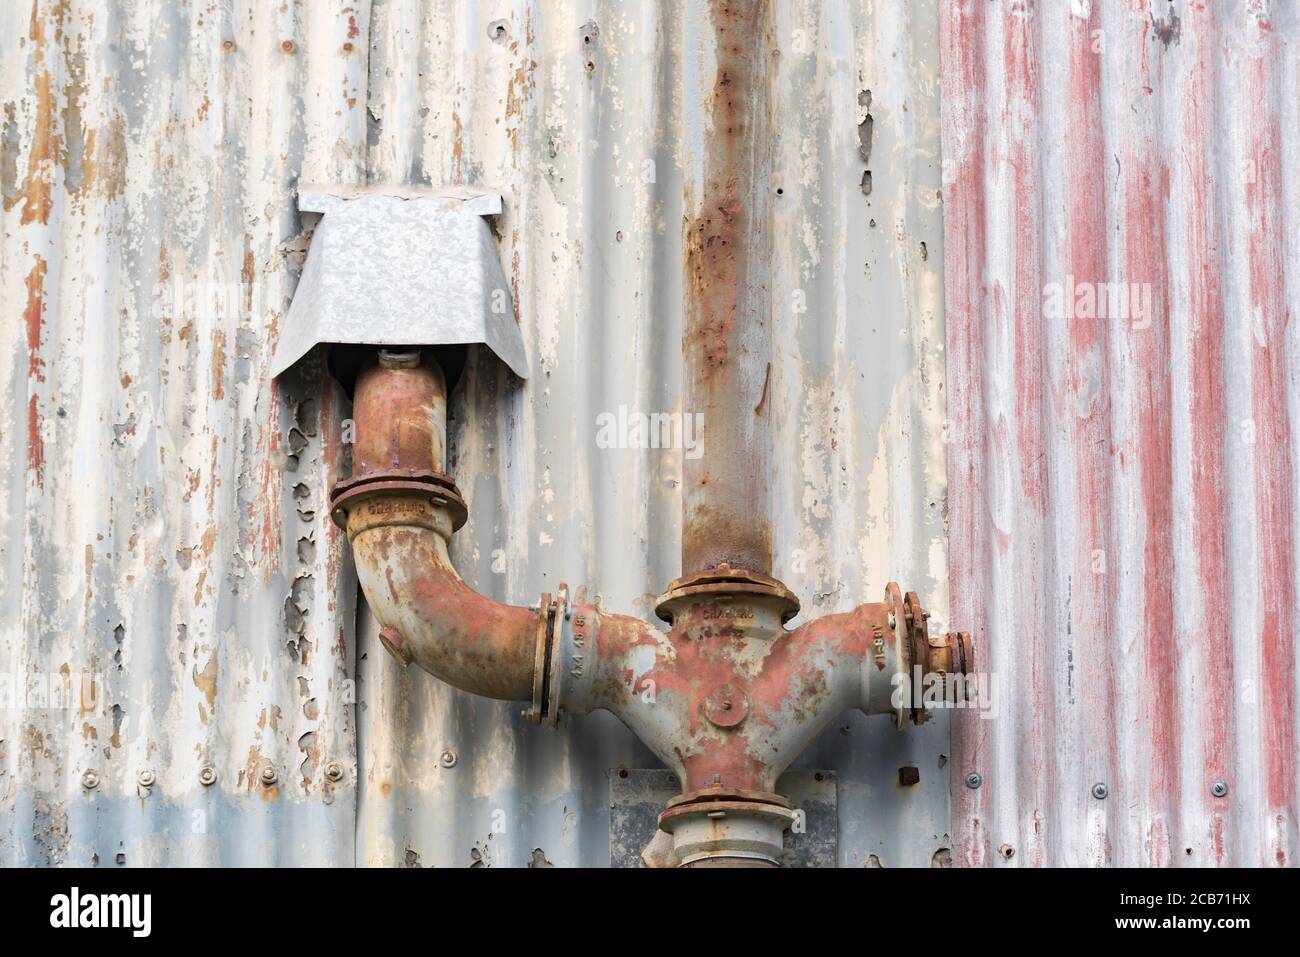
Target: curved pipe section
<point x="429" y="615"/>
<point x="400" y="511"/>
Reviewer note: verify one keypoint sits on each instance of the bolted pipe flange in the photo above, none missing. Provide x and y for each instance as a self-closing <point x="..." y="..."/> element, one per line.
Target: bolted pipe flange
<point x="717" y="827"/>
<point x="420" y="485"/>
<point x="929" y="658"/>
<point x="727" y="581"/>
<point x="552" y="613"/>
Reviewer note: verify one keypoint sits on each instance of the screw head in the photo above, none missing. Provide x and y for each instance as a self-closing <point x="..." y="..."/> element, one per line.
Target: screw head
<point x="269" y="775"/>
<point x="1219" y="789"/>
<point x="334" y="771"/>
<point x="1100" y="791"/>
<point x="90" y="780"/>
<point x="726" y="707"/>
<point x="207" y="775"/>
<point x="146" y="778"/>
<point x="448" y="758"/>
<point x="974" y="780"/>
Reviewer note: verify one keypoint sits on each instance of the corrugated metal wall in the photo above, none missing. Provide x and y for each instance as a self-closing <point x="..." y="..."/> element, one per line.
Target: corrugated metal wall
<point x="1123" y="495"/>
<point x="162" y="528"/>
<point x="163" y="507"/>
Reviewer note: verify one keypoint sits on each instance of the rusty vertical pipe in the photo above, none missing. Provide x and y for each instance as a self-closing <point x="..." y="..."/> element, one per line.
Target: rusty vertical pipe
<point x="402" y="399"/>
<point x="727" y="336"/>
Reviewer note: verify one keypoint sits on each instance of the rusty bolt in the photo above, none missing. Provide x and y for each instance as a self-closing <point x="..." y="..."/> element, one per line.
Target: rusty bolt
<point x="909" y="776"/>
<point x="448" y="758"/>
<point x="974" y="780"/>
<point x="207" y="775"/>
<point x="287" y="46"/>
<point x="334" y="771"/>
<point x="1100" y="791"/>
<point x="227" y="45"/>
<point x="726" y="707"/>
<point x="90" y="780"/>
<point x="146" y="778"/>
<point x="1219" y="789"/>
<point x="269" y="775"/>
<point x="348" y="48"/>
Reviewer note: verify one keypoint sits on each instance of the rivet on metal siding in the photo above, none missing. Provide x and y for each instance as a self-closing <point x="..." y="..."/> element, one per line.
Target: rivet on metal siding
<point x="334" y="771"/>
<point x="207" y="776"/>
<point x="269" y="775"/>
<point x="146" y="778"/>
<point x="1100" y="791"/>
<point x="448" y="759"/>
<point x="228" y="45"/>
<point x="90" y="780"/>
<point x="974" y="780"/>
<point x="287" y="46"/>
<point x="1219" y="789"/>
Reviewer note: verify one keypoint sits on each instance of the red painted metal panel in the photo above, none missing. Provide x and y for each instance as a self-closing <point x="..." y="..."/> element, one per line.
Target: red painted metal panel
<point x="1122" y="494"/>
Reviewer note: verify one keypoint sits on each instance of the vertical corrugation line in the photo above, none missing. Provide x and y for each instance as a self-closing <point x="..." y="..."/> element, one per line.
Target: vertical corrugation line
<point x="1122" y="504"/>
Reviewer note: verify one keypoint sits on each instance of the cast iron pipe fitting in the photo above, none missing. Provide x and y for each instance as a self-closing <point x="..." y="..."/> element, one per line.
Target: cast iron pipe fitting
<point x="727" y="698"/>
<point x="400" y="511"/>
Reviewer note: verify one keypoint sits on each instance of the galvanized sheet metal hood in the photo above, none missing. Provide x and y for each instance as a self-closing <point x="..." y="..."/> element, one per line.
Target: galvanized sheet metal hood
<point x="401" y="269"/>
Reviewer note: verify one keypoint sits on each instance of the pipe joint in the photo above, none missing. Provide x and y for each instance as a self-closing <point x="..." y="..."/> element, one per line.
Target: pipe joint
<point x="727" y="697"/>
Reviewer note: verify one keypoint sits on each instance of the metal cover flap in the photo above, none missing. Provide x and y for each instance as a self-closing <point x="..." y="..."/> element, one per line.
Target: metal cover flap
<point x="386" y="269"/>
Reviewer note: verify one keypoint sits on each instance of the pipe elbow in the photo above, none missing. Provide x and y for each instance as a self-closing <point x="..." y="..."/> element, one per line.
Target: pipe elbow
<point x="430" y="616"/>
<point x="400" y="511"/>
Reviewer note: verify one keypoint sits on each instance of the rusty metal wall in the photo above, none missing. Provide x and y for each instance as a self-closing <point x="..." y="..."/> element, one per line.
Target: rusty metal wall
<point x="161" y="529"/>
<point x="1122" y="490"/>
<point x="162" y="520"/>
